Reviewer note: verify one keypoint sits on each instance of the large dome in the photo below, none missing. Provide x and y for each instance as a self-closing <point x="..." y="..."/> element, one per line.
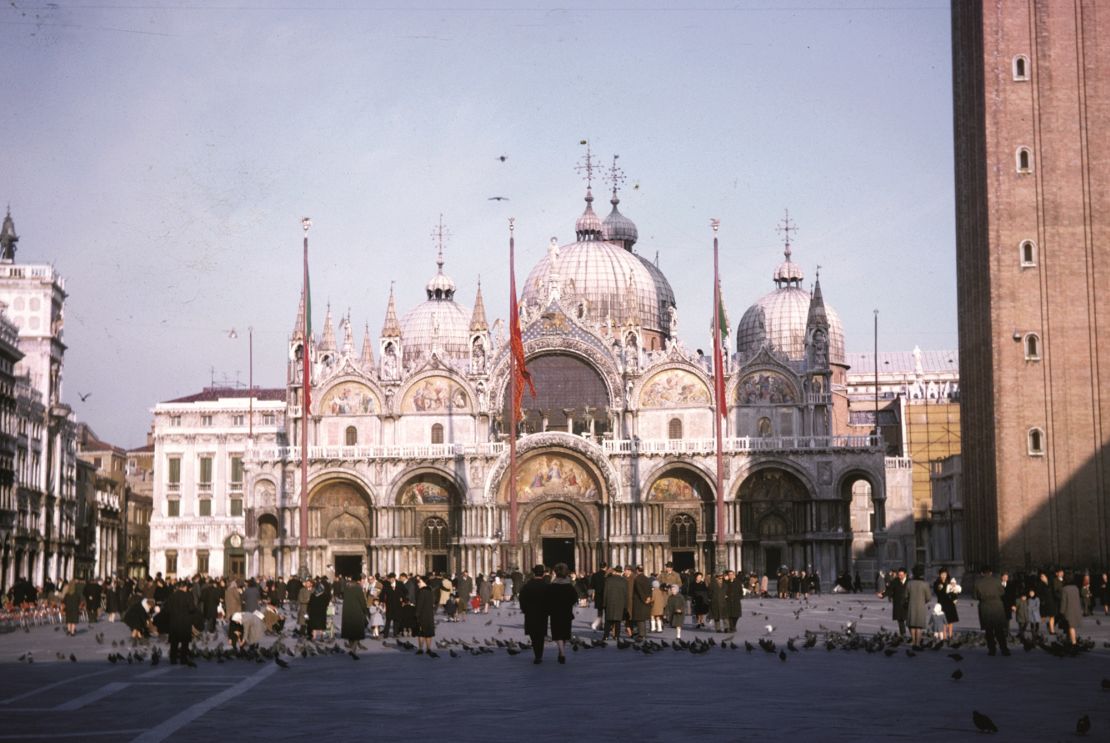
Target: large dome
<point x="615" y="283"/>
<point x="779" y="320"/>
<point x="606" y="277"/>
<point x="439" y="323"/>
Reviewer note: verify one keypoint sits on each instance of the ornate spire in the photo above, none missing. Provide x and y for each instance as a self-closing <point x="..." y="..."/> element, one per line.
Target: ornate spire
<point x="328" y="341"/>
<point x="367" y="358"/>
<point x="818" y="318"/>
<point x="298" y="324"/>
<point x="788" y="272"/>
<point x="617" y="227"/>
<point x="348" y="334"/>
<point x="391" y="328"/>
<point x="8" y="239"/>
<point x="588" y="226"/>
<point x="478" y="322"/>
<point x="440" y="286"/>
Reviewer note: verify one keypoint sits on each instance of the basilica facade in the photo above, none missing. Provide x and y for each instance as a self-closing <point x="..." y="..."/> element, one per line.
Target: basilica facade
<point x="408" y="456"/>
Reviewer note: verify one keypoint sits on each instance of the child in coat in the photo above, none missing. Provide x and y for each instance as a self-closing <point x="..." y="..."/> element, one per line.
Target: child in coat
<point x="377" y="619"/>
<point x="675" y="611"/>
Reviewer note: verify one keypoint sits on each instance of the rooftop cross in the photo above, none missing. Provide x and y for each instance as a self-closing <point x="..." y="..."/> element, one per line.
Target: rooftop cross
<point x="785" y="228"/>
<point x="587" y="167"/>
<point x="615" y="176"/>
<point x="440" y="234"/>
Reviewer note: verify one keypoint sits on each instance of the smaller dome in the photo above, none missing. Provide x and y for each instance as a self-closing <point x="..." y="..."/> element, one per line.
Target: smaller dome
<point x="619" y="228"/>
<point x="788" y="271"/>
<point x="588" y="226"/>
<point x="440" y="286"/>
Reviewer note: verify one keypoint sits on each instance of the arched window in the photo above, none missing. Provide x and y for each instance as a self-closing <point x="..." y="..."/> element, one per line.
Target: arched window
<point x="1028" y="251"/>
<point x="1032" y="347"/>
<point x="435" y="534"/>
<point x="1024" y="160"/>
<point x="674" y="429"/>
<point x="684" y="531"/>
<point x="1021" y="67"/>
<point x="437" y="433"/>
<point x="1036" y="442"/>
<point x="352" y="436"/>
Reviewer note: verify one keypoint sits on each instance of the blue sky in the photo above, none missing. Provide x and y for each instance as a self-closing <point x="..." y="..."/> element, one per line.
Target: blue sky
<point x="162" y="155"/>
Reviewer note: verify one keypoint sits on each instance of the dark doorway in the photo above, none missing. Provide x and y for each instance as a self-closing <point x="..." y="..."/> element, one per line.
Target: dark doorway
<point x="772" y="560"/>
<point x="436" y="563"/>
<point x="236" y="564"/>
<point x="557" y="550"/>
<point x="683" y="560"/>
<point x="349" y="566"/>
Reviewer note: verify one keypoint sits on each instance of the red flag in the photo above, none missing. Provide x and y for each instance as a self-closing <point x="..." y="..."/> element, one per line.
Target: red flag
<point x="520" y="371"/>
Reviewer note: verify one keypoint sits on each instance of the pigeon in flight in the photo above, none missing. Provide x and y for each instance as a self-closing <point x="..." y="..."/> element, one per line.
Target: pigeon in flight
<point x="498" y="198"/>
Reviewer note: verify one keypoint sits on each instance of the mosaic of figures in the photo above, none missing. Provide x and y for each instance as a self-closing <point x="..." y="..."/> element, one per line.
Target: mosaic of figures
<point x="671" y="489"/>
<point x="674" y="389"/>
<point x="554" y="476"/>
<point x="435" y="395"/>
<point x="349" y="398"/>
<point x="765" y="388"/>
<point x="424" y="493"/>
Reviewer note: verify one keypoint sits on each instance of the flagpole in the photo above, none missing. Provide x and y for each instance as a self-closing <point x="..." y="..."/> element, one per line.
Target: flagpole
<point x="719" y="388"/>
<point x="514" y="318"/>
<point x="306" y="223"/>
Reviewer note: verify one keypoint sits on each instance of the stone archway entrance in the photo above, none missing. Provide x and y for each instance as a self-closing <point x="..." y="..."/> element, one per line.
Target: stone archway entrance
<point x="558" y="540"/>
<point x="339" y="528"/>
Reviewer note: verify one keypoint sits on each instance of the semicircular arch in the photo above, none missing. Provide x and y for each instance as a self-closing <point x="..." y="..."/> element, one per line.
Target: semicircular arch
<point x="349" y="395"/>
<point x="586" y="452"/>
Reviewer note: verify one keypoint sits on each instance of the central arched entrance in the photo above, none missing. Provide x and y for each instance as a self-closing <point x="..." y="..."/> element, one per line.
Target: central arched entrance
<point x="776" y="521"/>
<point x="339" y="528"/>
<point x="558" y="541"/>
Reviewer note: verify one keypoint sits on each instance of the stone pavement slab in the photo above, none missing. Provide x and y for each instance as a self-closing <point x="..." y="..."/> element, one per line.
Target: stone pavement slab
<point x="600" y="694"/>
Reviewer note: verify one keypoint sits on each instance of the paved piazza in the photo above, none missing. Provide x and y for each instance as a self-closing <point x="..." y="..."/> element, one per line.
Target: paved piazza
<point x="601" y="694"/>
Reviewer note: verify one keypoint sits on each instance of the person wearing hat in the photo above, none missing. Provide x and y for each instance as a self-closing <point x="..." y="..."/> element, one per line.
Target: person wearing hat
<point x="616" y="602"/>
<point x="641" y="602"/>
<point x="992" y="613"/>
<point x="425" y="618"/>
<point x="734" y="599"/>
<point x="535" y="605"/>
<point x="918" y="594"/>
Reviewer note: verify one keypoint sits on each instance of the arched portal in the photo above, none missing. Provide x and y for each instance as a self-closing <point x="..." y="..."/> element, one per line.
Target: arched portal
<point x="267" y="545"/>
<point x="429" y="522"/>
<point x="559" y="532"/>
<point x="681" y="519"/>
<point x="340" y="525"/>
<point x="776" y="521"/>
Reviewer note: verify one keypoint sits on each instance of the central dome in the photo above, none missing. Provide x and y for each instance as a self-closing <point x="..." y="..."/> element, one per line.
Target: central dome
<point x="602" y="281"/>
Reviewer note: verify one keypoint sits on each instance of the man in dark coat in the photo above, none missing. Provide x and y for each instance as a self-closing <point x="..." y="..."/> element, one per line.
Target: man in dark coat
<point x="641" y="602"/>
<point x="533" y="604"/>
<point x="992" y="612"/>
<point x="464" y="586"/>
<point x="181" y="613"/>
<point x="210" y="597"/>
<point x="718" y="601"/>
<point x="353" y="627"/>
<point x="252" y="594"/>
<point x="734" y="598"/>
<point x="597" y="584"/>
<point x="293" y="588"/>
<point x="93" y="595"/>
<point x="390" y="597"/>
<point x="616" y="601"/>
<point x="896" y="593"/>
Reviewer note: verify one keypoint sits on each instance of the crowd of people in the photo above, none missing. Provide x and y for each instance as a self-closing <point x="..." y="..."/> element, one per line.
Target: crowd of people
<point x="1043" y="604"/>
<point x="629" y="603"/>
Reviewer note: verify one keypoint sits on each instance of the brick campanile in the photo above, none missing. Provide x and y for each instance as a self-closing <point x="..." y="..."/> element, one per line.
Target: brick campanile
<point x="1031" y="82"/>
